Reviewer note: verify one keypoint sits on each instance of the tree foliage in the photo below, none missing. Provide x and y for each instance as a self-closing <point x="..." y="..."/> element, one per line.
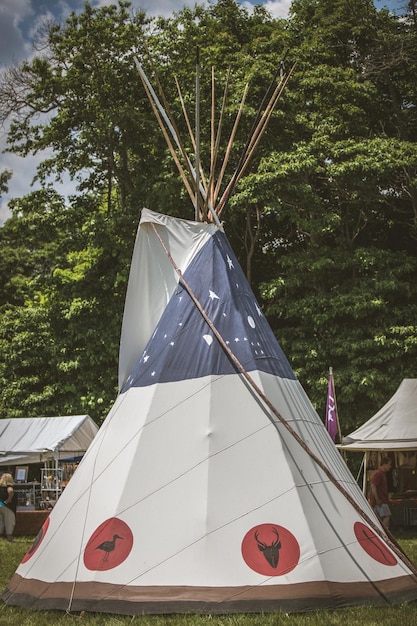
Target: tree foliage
<point x="325" y="222"/>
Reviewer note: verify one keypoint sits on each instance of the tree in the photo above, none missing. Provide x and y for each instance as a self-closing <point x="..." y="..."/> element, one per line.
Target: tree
<point x="70" y="259"/>
<point x="324" y="222"/>
<point x="64" y="274"/>
<point x="81" y="98"/>
<point x="5" y="176"/>
<point x="344" y="215"/>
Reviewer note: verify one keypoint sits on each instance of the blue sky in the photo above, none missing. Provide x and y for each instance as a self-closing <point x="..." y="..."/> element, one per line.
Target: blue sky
<point x="21" y="19"/>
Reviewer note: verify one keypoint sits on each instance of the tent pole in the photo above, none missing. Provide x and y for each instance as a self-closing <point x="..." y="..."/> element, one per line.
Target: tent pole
<point x="155" y="101"/>
<point x="212" y="142"/>
<point x="365" y="472"/>
<point x="169" y="143"/>
<point x="230" y="143"/>
<point x="197" y="134"/>
<point x="56" y="474"/>
<point x="190" y="131"/>
<point x="216" y="136"/>
<point x="259" y="123"/>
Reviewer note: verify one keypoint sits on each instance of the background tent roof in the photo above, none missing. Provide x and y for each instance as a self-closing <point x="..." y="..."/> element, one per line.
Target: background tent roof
<point x="393" y="427"/>
<point x="28" y="439"/>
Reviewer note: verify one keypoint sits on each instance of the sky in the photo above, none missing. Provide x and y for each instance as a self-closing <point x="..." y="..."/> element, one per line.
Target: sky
<point x="19" y="20"/>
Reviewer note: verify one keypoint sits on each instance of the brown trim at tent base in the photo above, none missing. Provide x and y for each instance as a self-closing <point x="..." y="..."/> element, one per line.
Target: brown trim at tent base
<point x="135" y="600"/>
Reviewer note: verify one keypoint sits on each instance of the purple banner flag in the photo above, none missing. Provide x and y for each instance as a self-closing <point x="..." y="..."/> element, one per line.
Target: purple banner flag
<point x="332" y="425"/>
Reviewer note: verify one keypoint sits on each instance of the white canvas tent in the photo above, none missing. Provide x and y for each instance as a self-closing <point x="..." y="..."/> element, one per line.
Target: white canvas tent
<point x="194" y="496"/>
<point x="393" y="427"/>
<point x="33" y="439"/>
<point x="213" y="485"/>
<point x="391" y="431"/>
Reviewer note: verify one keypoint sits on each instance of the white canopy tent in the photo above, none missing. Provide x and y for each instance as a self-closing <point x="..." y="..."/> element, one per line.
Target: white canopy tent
<point x="393" y="427"/>
<point x="392" y="431"/>
<point x="33" y="439"/>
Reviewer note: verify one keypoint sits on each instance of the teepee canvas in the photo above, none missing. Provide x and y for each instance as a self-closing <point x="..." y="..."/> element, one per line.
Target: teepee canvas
<point x="193" y="496"/>
<point x="213" y="485"/>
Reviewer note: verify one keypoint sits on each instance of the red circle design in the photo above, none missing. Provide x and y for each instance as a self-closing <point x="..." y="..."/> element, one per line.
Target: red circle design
<point x="270" y="550"/>
<point x="108" y="546"/>
<point x="37" y="542"/>
<point x="373" y="545"/>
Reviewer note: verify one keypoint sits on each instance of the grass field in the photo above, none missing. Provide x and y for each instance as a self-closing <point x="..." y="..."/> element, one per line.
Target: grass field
<point x="11" y="555"/>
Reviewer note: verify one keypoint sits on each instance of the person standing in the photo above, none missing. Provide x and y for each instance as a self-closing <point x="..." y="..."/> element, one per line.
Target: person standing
<point x="7" y="506"/>
<point x="379" y="492"/>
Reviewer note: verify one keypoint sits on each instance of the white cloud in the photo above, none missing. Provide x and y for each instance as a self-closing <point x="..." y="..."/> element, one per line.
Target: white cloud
<point x="165" y="8"/>
<point x="277" y="8"/>
<point x="13" y="45"/>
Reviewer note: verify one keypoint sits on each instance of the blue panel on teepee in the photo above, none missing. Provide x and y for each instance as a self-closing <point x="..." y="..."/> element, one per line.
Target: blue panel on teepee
<point x="183" y="346"/>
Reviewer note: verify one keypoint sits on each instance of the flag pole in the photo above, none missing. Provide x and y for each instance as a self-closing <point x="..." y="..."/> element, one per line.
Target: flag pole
<point x="339" y="432"/>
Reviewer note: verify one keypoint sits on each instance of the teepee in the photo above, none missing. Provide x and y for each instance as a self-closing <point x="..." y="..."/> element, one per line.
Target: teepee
<point x="213" y="485"/>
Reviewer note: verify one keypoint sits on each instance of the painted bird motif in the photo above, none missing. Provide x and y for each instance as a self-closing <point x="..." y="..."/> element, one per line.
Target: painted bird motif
<point x="108" y="546"/>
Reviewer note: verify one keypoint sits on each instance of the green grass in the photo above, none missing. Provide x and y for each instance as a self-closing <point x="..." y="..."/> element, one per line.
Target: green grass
<point x="11" y="555"/>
